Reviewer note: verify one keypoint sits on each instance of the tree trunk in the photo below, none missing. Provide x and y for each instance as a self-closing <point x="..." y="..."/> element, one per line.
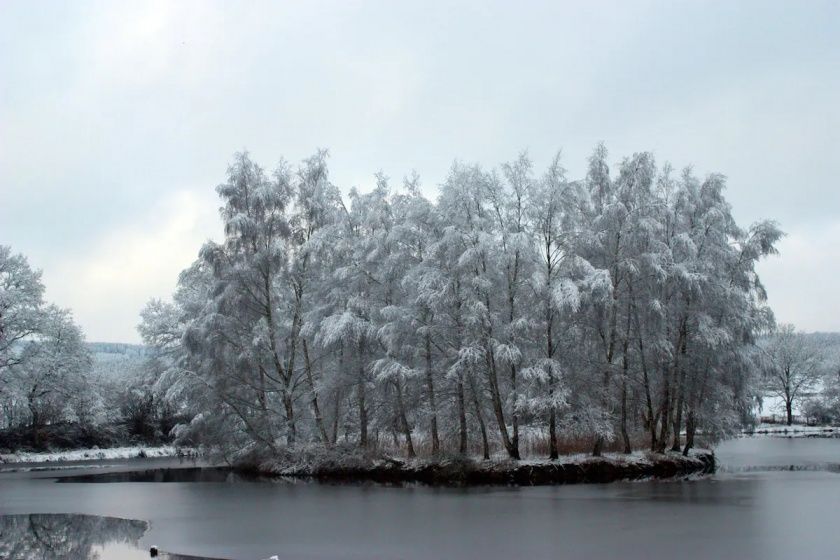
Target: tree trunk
<point x="668" y="389"/>
<point x="291" y="428"/>
<point x="496" y="398"/>
<point x="404" y="421"/>
<point x="678" y="422"/>
<point x="789" y="410"/>
<point x="316" y="409"/>
<point x="485" y="445"/>
<point x="624" y="435"/>
<point x="35" y="420"/>
<point x="610" y="348"/>
<point x="625" y="366"/>
<point x="552" y="381"/>
<point x="514" y="441"/>
<point x="336" y="416"/>
<point x="361" y="388"/>
<point x="394" y="436"/>
<point x="664" y="413"/>
<point x="651" y="418"/>
<point x="430" y="387"/>
<point x="552" y="434"/>
<point x="598" y="448"/>
<point x="680" y="389"/>
<point x="462" y="416"/>
<point x="690" y="429"/>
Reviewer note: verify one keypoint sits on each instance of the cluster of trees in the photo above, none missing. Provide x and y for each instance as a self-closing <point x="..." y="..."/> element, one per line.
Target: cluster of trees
<point x="125" y="378"/>
<point x="823" y="408"/>
<point x="518" y="307"/>
<point x="43" y="359"/>
<point x="57" y="390"/>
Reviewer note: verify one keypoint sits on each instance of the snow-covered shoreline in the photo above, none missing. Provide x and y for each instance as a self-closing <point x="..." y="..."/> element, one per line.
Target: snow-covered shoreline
<point x="131" y="452"/>
<point x="468" y="471"/>
<point x="795" y="430"/>
<point x="351" y="466"/>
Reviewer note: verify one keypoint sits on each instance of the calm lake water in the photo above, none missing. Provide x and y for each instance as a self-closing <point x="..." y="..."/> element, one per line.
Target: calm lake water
<point x="751" y="509"/>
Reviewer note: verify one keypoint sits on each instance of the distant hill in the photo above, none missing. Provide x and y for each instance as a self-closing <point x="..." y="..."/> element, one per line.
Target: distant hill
<point x="117" y="360"/>
<point x="829" y="345"/>
<point x="120" y="349"/>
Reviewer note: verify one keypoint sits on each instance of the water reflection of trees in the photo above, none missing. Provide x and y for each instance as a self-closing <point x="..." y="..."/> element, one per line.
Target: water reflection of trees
<point x="63" y="536"/>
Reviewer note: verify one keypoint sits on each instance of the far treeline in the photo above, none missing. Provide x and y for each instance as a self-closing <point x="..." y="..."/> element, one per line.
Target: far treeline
<point x="522" y="312"/>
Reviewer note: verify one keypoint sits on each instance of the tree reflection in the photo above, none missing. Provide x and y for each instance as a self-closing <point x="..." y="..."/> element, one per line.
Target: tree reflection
<point x="64" y="536"/>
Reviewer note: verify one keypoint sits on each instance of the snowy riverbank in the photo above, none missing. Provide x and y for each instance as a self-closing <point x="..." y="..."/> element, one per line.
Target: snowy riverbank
<point x="349" y="465"/>
<point x="795" y="430"/>
<point x="131" y="452"/>
<point x="336" y="467"/>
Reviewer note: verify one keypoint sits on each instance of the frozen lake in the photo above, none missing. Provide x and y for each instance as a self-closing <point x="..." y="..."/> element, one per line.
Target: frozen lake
<point x="751" y="509"/>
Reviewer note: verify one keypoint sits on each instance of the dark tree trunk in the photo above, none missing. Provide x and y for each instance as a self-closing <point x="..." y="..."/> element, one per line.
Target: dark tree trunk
<point x="485" y="445"/>
<point x="598" y="448"/>
<point x="651" y="418"/>
<point x="394" y="435"/>
<point x="316" y="409"/>
<point x="552" y="381"/>
<point x="624" y="435"/>
<point x="430" y="387"/>
<point x="409" y="444"/>
<point x="625" y="366"/>
<point x="676" y="445"/>
<point x="291" y="428"/>
<point x="462" y="416"/>
<point x="498" y="411"/>
<point x="514" y="441"/>
<point x="336" y="416"/>
<point x="664" y="414"/>
<point x="552" y="434"/>
<point x="690" y="429"/>
<point x="680" y="389"/>
<point x="361" y="388"/>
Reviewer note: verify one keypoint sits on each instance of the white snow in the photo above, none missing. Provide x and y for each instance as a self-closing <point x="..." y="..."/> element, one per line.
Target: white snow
<point x="794" y="430"/>
<point x="97" y="454"/>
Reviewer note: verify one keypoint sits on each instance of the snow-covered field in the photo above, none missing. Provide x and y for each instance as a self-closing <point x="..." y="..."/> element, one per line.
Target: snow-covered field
<point x="96" y="454"/>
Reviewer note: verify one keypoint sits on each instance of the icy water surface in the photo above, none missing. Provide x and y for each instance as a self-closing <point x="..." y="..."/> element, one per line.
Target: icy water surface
<point x="752" y="509"/>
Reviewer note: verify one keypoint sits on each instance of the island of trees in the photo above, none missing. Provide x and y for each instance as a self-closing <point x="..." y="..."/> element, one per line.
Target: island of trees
<point x="521" y="313"/>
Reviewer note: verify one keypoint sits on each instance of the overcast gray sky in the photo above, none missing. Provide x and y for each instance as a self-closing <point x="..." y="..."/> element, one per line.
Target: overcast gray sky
<point x="117" y="119"/>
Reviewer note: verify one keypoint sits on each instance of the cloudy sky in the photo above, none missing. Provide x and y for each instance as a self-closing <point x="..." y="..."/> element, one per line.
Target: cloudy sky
<point x="117" y="119"/>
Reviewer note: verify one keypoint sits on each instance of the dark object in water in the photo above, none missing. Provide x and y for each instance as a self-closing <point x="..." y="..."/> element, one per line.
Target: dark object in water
<point x="153" y="552"/>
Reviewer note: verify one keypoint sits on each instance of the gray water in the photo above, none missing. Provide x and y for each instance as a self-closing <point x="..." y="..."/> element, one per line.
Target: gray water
<point x="751" y="509"/>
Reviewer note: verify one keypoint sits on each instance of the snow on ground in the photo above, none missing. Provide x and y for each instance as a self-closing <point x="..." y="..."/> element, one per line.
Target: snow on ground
<point x="795" y="429"/>
<point x="96" y="454"/>
<point x="773" y="407"/>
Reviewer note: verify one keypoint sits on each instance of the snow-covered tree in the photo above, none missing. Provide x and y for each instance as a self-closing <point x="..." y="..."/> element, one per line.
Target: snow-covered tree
<point x="794" y="364"/>
<point x="45" y="367"/>
<point x="21" y="306"/>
